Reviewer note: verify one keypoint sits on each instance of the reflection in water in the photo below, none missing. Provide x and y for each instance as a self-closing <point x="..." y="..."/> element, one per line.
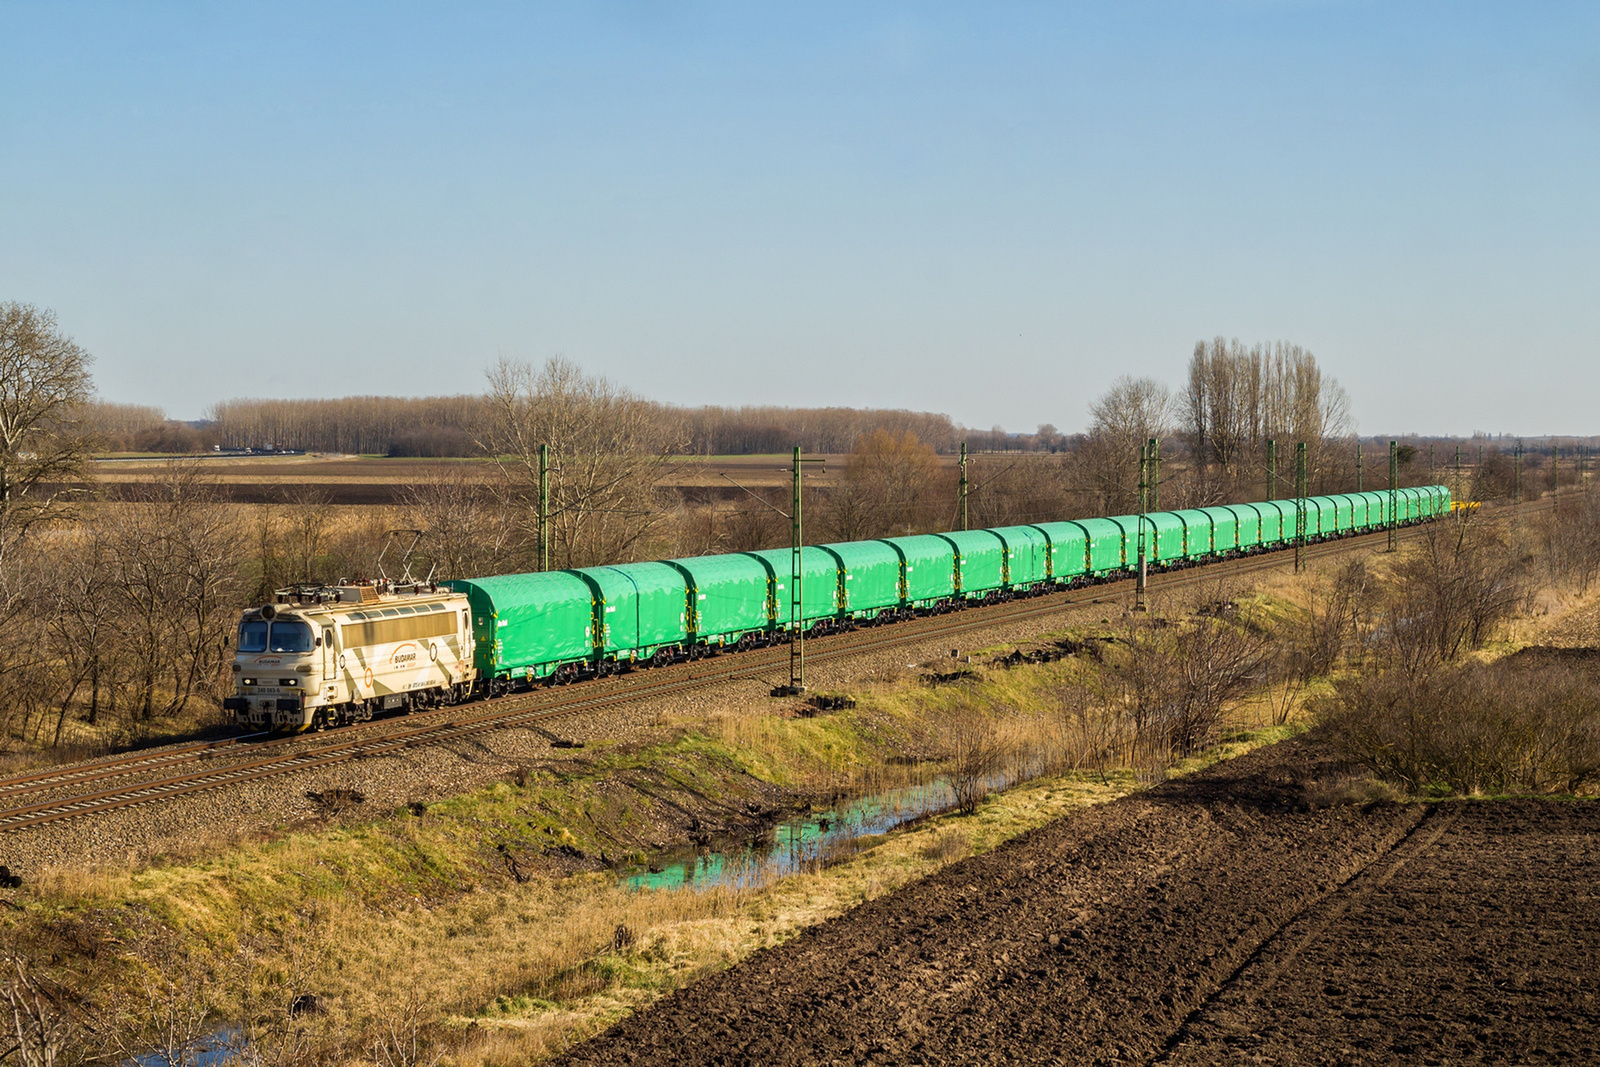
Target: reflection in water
<point x="220" y="1046"/>
<point x="801" y="844"/>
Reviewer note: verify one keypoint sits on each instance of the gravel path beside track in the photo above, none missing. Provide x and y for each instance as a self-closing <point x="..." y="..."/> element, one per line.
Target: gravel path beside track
<point x="1150" y="929"/>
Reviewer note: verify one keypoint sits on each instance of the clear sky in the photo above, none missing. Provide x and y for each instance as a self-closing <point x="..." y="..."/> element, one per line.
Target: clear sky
<point x="988" y="209"/>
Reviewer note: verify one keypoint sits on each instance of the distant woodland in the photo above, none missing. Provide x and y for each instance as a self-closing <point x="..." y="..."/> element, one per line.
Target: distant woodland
<point x="449" y="426"/>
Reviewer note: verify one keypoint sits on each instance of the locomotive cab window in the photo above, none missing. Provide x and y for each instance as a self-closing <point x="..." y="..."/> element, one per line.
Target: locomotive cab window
<point x="252" y="636"/>
<point x="291" y="637"/>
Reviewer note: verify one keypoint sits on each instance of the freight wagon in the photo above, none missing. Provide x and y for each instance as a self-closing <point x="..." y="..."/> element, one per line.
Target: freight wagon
<point x="560" y="626"/>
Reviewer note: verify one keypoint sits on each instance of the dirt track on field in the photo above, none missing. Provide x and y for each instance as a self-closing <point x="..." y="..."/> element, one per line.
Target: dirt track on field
<point x="1216" y="919"/>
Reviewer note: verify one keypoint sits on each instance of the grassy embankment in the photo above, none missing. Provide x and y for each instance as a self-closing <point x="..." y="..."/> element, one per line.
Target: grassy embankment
<point x="462" y="922"/>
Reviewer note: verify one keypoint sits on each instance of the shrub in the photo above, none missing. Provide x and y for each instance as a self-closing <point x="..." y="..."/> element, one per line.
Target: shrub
<point x="1475" y="728"/>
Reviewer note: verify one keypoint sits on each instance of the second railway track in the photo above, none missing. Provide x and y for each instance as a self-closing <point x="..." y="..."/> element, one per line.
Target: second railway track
<point x="242" y="761"/>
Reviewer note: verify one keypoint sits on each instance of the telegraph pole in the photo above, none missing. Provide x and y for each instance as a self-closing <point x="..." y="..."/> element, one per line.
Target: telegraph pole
<point x="1359" y="450"/>
<point x="963" y="485"/>
<point x="797" y="592"/>
<point x="1516" y="474"/>
<point x="1555" y="472"/>
<point x="1299" y="507"/>
<point x="1457" y="486"/>
<point x="544" y="507"/>
<point x="1272" y="469"/>
<point x="797" y="615"/>
<point x="1144" y="501"/>
<point x="1430" y="463"/>
<point x="1154" y="478"/>
<point x="1394" y="495"/>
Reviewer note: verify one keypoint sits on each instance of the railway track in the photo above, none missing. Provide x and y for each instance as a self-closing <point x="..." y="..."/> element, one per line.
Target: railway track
<point x="189" y="769"/>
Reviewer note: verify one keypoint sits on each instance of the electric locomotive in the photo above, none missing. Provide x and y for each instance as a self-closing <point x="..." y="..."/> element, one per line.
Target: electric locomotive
<point x="320" y="656"/>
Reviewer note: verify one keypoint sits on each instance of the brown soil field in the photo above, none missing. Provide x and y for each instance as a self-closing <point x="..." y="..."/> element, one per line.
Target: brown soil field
<point x="1236" y="916"/>
<point x="379" y="479"/>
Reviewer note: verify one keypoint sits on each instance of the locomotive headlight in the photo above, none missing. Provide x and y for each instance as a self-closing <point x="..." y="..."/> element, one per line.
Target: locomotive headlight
<point x="247" y="681"/>
<point x="289" y="681"/>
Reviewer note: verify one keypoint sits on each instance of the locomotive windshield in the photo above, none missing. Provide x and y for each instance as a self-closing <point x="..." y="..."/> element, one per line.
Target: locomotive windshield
<point x="291" y="637"/>
<point x="252" y="636"/>
<point x="258" y="636"/>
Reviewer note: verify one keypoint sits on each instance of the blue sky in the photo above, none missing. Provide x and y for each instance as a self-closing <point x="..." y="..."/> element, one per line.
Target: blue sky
<point x="985" y="209"/>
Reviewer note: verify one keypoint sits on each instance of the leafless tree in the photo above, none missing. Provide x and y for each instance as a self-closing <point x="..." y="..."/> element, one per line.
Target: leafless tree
<point x="465" y="533"/>
<point x="1473" y="727"/>
<point x="976" y="753"/>
<point x="608" y="448"/>
<point x="174" y="568"/>
<point x="1571" y="535"/>
<point x="1237" y="398"/>
<point x="44" y="1023"/>
<point x="746" y="430"/>
<point x="1178" y="679"/>
<point x="887" y="488"/>
<point x="1131" y="412"/>
<point x="1459" y="580"/>
<point x="305" y="532"/>
<point x="1008" y="490"/>
<point x="44" y="383"/>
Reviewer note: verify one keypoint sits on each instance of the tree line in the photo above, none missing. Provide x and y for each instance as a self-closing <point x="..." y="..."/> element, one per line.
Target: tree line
<point x="464" y="426"/>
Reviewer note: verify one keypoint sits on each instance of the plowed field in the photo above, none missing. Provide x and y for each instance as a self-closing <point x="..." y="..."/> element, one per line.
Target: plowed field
<point x="1221" y="918"/>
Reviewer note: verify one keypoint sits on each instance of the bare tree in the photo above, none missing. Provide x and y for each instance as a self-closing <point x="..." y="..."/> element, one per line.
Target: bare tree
<point x="1447" y="594"/>
<point x="1237" y="398"/>
<point x="1179" y="679"/>
<point x="465" y="534"/>
<point x="43" y="1022"/>
<point x="305" y="533"/>
<point x="975" y="755"/>
<point x="1571" y="533"/>
<point x="887" y="488"/>
<point x="1131" y="412"/>
<point x="1008" y="490"/>
<point x="608" y="448"/>
<point x="175" y="566"/>
<point x="44" y="383"/>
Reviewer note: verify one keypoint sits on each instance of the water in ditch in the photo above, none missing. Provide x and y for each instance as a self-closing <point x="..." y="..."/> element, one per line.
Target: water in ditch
<point x="805" y="842"/>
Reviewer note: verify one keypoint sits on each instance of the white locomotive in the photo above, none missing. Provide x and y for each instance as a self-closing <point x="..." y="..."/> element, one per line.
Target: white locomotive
<point x="320" y="656"/>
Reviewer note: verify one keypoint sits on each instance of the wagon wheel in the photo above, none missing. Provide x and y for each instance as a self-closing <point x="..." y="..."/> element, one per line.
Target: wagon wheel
<point x="662" y="657"/>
